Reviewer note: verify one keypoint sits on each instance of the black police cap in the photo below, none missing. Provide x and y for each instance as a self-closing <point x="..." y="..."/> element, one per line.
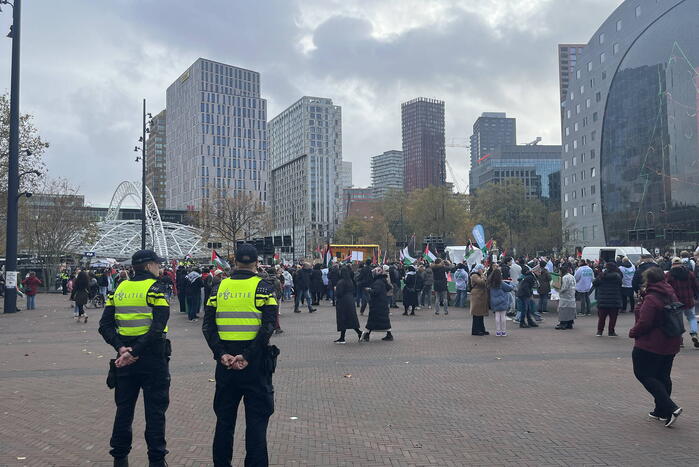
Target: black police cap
<point x="145" y="256"/>
<point x="246" y="253"/>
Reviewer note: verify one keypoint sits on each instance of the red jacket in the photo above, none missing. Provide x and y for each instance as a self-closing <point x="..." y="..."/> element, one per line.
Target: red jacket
<point x="684" y="283"/>
<point x="31" y="285"/>
<point x="649" y="318"/>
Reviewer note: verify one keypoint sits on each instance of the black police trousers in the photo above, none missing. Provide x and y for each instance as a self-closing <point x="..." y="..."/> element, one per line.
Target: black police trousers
<point x="254" y="386"/>
<point x="153" y="376"/>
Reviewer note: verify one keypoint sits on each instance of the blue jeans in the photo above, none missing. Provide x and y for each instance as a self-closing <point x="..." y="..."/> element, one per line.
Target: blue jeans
<point x="460" y="298"/>
<point x="31" y="302"/>
<point x="287" y="292"/>
<point x="193" y="304"/>
<point x="543" y="302"/>
<point x="307" y="295"/>
<point x="688" y="313"/>
<point x="525" y="310"/>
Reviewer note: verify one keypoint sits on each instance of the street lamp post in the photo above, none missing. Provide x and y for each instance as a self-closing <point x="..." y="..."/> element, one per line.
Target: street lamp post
<point x="10" y="303"/>
<point x="142" y="158"/>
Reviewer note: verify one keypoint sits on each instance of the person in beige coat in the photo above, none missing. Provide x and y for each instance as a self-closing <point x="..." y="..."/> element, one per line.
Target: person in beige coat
<point x="479" y="301"/>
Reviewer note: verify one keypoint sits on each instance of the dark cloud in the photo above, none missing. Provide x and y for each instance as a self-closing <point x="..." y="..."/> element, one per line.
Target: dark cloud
<point x="86" y="66"/>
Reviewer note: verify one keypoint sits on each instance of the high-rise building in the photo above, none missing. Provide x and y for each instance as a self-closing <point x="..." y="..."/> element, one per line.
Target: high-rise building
<point x="533" y="165"/>
<point x="490" y="131"/>
<point x="423" y="143"/>
<point x="630" y="146"/>
<point x="217" y="135"/>
<point x="387" y="172"/>
<point x="306" y="160"/>
<point x="346" y="174"/>
<point x="156" y="160"/>
<point x="567" y="59"/>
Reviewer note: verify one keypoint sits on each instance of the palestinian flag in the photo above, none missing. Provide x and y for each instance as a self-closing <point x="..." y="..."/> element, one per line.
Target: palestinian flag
<point x="405" y="257"/>
<point x="328" y="256"/>
<point x="429" y="257"/>
<point x="216" y="259"/>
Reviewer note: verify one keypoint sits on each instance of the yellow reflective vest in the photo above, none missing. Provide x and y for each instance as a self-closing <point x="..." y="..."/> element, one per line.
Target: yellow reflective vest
<point x="133" y="302"/>
<point x="237" y="304"/>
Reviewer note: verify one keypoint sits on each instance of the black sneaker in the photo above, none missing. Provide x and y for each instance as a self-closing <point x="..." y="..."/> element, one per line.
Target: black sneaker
<point x="387" y="337"/>
<point x="695" y="339"/>
<point x="599" y="334"/>
<point x="365" y="337"/>
<point x="673" y="418"/>
<point x="655" y="416"/>
<point x="613" y="334"/>
<point x="340" y="341"/>
<point x="312" y="310"/>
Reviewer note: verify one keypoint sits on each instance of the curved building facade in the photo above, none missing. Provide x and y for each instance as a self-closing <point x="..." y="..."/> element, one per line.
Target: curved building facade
<point x="630" y="172"/>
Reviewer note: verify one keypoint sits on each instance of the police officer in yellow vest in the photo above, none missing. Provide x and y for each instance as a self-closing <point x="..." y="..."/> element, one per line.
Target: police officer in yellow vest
<point x="134" y="322"/>
<point x="238" y="322"/>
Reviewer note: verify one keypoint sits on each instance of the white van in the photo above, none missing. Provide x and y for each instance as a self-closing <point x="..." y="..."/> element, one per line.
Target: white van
<point x="605" y="254"/>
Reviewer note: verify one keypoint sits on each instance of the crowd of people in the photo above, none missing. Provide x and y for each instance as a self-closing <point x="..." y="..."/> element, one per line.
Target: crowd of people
<point x="520" y="290"/>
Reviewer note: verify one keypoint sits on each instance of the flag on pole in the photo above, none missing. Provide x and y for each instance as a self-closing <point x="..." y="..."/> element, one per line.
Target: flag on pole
<point x="328" y="256"/>
<point x="405" y="257"/>
<point x="215" y="258"/>
<point x="429" y="257"/>
<point x="473" y="256"/>
<point x="489" y="245"/>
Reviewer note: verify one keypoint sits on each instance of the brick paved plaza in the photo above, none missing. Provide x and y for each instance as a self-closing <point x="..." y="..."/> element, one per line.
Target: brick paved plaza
<point x="434" y="396"/>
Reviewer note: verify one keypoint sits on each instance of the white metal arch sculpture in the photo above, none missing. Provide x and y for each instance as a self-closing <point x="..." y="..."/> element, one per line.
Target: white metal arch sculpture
<point x="121" y="238"/>
<point x="154" y="224"/>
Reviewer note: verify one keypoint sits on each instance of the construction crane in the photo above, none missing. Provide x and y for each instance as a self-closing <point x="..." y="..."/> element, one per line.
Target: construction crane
<point x="535" y="142"/>
<point x="454" y="144"/>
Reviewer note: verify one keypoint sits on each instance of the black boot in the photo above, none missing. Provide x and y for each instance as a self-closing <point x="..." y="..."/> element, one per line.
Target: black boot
<point x="160" y="463"/>
<point x="121" y="462"/>
<point x="522" y="324"/>
<point x="389" y="337"/>
<point x="532" y="324"/>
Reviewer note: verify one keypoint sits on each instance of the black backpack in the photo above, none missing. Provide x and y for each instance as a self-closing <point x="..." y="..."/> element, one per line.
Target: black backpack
<point x="673" y="319"/>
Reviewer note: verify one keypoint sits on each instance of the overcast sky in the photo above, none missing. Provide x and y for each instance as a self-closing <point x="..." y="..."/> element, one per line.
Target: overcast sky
<point x="87" y="64"/>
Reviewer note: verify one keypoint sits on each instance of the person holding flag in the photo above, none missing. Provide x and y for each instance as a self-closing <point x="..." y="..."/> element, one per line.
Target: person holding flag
<point x="216" y="259"/>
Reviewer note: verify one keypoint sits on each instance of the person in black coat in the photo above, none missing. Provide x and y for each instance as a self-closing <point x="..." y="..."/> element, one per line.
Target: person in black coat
<point x="525" y="293"/>
<point x="334" y="279"/>
<point x="316" y="283"/>
<point x="413" y="283"/>
<point x="193" y="292"/>
<point x="345" y="309"/>
<point x="608" y="294"/>
<point x="364" y="281"/>
<point x="302" y="287"/>
<point x="379" y="319"/>
<point x="181" y="282"/>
